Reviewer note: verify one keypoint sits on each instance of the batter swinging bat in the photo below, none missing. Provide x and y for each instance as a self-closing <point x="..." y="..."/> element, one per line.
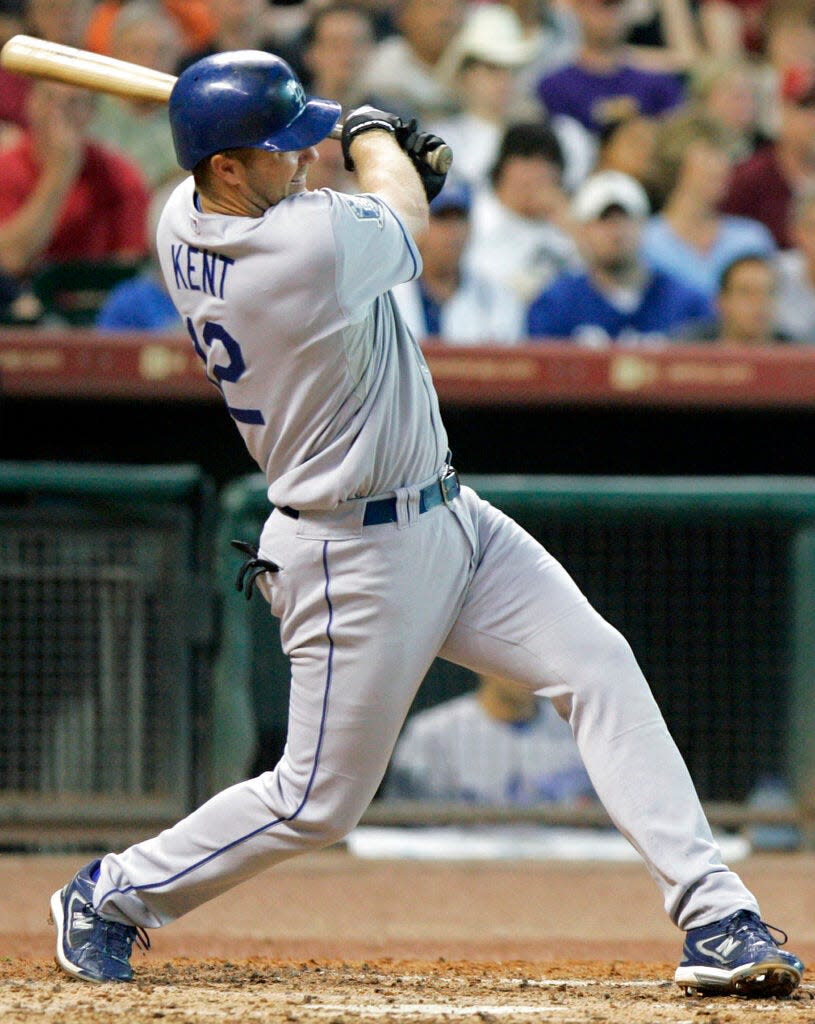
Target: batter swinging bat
<point x="44" y="59"/>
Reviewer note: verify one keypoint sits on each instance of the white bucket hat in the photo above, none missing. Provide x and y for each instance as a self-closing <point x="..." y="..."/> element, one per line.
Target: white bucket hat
<point x="491" y="33"/>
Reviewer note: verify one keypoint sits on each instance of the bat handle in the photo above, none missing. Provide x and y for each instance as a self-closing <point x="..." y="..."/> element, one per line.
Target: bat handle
<point x="439" y="159"/>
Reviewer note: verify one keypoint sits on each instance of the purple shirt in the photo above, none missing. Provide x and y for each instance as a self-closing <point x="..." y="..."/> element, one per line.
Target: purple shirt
<point x="597" y="100"/>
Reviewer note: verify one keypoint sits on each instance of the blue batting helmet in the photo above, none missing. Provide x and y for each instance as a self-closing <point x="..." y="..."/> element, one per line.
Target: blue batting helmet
<point x="244" y="98"/>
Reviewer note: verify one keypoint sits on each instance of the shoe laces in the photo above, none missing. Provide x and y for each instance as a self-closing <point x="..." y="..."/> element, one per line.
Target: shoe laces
<point x="751" y="921"/>
<point x="119" y="938"/>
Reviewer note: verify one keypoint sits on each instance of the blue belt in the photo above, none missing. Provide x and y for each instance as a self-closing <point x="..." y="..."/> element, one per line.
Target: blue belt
<point x="383" y="510"/>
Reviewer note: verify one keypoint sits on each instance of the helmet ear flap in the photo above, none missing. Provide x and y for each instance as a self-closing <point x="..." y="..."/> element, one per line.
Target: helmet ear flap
<point x="246" y="98"/>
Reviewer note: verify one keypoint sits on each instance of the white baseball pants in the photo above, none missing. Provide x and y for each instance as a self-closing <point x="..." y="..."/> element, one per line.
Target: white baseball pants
<point x="363" y="612"/>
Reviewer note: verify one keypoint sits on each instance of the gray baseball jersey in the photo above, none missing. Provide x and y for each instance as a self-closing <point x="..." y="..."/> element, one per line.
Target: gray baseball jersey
<point x="332" y="396"/>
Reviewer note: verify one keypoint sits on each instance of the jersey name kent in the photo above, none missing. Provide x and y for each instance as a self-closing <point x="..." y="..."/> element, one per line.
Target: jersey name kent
<point x="198" y="270"/>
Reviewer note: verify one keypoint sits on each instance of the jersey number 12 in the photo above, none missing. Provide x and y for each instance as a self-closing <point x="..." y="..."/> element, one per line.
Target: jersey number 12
<point x="230" y="373"/>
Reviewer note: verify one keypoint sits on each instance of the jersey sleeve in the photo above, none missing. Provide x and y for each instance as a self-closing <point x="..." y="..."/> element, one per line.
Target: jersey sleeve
<point x="374" y="251"/>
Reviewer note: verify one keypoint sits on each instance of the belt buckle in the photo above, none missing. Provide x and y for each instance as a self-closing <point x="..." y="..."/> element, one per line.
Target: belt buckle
<point x="448" y="473"/>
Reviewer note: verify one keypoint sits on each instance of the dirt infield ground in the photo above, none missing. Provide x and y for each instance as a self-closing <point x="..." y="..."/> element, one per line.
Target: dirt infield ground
<point x="329" y="939"/>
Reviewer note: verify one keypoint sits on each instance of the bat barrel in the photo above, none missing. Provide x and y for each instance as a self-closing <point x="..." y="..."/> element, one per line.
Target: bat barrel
<point x="44" y="59"/>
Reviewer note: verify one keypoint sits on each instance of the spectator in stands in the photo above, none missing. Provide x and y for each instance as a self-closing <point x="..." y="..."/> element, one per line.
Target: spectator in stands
<point x="142" y="34"/>
<point x="662" y="35"/>
<point x="724" y="89"/>
<point x="379" y="11"/>
<point x="745" y="305"/>
<point x="603" y="85"/>
<point x="630" y="146"/>
<point x="142" y="302"/>
<point x="763" y="186"/>
<point x="402" y="71"/>
<point x="449" y="301"/>
<point x="617" y="297"/>
<point x="519" y="224"/>
<point x="13" y="87"/>
<point x="337" y="46"/>
<point x="234" y="25"/>
<point x="60" y="21"/>
<point x="499" y="745"/>
<point x="795" y="305"/>
<point x="194" y="19"/>
<point x="690" y="238"/>
<point x="790" y="43"/>
<point x="480" y="65"/>
<point x="555" y="32"/>
<point x="65" y="198"/>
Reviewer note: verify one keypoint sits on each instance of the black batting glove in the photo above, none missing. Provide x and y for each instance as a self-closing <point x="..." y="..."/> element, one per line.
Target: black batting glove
<point x="366" y="119"/>
<point x="417" y="145"/>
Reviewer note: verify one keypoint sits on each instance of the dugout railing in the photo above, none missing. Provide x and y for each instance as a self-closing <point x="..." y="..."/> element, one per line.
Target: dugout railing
<point x="107" y="629"/>
<point x="711" y="579"/>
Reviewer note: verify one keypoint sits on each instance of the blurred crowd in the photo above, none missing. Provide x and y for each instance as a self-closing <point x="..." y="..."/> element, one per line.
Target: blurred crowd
<point x="626" y="171"/>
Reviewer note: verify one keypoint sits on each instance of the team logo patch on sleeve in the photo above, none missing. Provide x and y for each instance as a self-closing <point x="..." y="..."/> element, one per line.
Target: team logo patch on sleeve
<point x="364" y="208"/>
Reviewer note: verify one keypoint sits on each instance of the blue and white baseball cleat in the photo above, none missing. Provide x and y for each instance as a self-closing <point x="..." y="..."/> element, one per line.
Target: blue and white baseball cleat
<point x="88" y="946"/>
<point x="737" y="956"/>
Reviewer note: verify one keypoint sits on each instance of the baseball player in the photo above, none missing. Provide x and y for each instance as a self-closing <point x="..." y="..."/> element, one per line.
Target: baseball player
<point x="375" y="557"/>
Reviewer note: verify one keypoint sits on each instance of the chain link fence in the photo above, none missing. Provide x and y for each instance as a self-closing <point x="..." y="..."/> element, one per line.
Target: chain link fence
<point x="104" y="653"/>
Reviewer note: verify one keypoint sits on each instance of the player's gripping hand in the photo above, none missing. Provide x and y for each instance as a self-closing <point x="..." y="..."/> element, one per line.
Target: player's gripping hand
<point x="366" y="119"/>
<point x="417" y="145"/>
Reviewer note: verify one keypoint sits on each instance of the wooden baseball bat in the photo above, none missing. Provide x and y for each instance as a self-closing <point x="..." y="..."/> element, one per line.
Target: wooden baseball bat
<point x="44" y="59"/>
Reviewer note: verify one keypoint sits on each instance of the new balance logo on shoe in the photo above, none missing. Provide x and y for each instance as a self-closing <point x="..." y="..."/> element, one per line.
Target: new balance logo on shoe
<point x="724" y="951"/>
<point x="728" y="947"/>
<point x="78" y="917"/>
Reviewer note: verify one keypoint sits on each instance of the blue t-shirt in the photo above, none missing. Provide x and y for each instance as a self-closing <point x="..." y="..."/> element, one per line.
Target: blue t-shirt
<point x="663" y="249"/>
<point x="596" y="100"/>
<point x="572" y="308"/>
<point x="138" y="304"/>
